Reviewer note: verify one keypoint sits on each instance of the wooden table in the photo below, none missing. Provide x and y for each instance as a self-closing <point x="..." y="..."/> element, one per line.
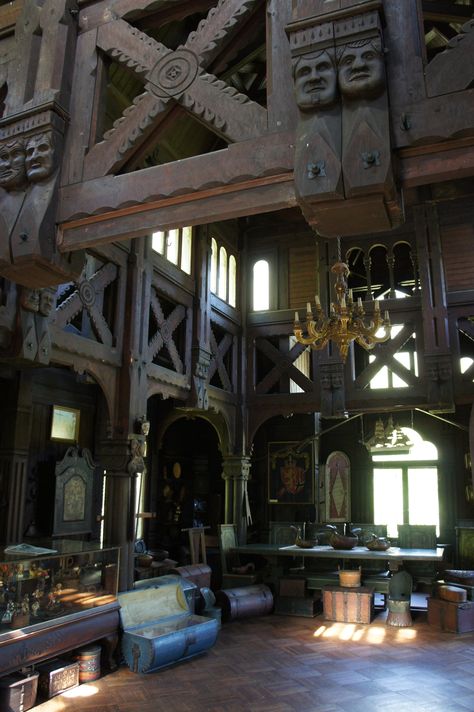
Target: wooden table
<point x="394" y="556"/>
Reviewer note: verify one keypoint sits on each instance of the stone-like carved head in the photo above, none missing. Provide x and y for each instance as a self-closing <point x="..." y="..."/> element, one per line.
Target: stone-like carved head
<point x="361" y="71"/>
<point x="30" y="299"/>
<point x="315" y="80"/>
<point x="46" y="301"/>
<point x="40" y="160"/>
<point x="12" y="164"/>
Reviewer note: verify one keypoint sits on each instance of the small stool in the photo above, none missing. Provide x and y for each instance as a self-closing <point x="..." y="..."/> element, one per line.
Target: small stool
<point x="399" y="614"/>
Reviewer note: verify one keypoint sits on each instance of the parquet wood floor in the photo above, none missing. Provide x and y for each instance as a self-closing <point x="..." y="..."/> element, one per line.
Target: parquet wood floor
<point x="292" y="664"/>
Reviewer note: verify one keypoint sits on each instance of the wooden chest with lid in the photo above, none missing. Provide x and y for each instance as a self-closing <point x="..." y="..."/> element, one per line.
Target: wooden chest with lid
<point x="159" y="629"/>
<point x="348" y="605"/>
<point x="453" y="617"/>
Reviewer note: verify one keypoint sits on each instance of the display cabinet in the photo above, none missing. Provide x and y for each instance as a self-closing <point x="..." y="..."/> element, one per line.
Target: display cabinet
<point x="56" y="596"/>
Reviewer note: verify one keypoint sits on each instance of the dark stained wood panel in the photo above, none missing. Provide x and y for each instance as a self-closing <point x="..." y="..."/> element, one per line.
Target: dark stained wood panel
<point x="458" y="256"/>
<point x="302" y="276"/>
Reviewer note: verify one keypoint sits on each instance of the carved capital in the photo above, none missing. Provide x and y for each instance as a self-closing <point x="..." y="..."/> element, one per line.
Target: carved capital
<point x="235" y="467"/>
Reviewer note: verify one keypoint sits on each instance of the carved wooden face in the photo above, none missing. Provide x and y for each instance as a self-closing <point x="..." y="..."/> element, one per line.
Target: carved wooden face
<point x="315" y="80"/>
<point x="30" y="299"/>
<point x="361" y="72"/>
<point x="46" y="301"/>
<point x="39" y="157"/>
<point x="12" y="165"/>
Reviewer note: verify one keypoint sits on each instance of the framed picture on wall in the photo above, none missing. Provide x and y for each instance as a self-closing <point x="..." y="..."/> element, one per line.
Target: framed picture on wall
<point x="290" y="473"/>
<point x="338" y="487"/>
<point x="65" y="424"/>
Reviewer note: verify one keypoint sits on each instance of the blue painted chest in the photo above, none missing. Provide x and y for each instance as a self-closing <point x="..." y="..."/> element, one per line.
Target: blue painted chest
<point x="159" y="629"/>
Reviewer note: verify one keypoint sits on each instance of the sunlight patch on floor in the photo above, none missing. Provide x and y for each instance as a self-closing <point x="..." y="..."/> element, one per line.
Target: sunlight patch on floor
<point x="81" y="691"/>
<point x="373" y="634"/>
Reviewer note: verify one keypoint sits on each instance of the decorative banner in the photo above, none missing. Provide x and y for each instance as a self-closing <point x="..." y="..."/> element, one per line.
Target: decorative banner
<point x="338" y="487"/>
<point x="290" y="473"/>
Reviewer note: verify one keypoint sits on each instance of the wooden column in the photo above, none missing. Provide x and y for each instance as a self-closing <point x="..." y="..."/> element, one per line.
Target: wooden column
<point x="15" y="440"/>
<point x="437" y="357"/>
<point x="201" y="350"/>
<point x="236" y="473"/>
<point x="122" y="455"/>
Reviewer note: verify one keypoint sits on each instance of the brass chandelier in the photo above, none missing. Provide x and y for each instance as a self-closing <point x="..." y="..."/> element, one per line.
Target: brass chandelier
<point x="346" y="321"/>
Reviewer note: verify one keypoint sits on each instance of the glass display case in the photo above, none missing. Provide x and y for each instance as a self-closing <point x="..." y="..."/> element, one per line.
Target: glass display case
<point x="48" y="580"/>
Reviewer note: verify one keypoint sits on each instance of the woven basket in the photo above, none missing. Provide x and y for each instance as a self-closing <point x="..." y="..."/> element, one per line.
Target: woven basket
<point x="349" y="579"/>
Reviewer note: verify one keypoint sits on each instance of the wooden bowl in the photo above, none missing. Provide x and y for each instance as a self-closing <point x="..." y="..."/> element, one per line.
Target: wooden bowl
<point x="378" y="544"/>
<point x="339" y="541"/>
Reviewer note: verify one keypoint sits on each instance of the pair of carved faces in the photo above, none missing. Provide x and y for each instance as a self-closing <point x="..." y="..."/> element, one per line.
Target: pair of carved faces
<point x="22" y="161"/>
<point x="38" y="300"/>
<point x="357" y="72"/>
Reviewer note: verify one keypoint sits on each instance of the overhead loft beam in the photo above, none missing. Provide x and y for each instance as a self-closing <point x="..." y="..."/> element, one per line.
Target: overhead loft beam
<point x="224" y="203"/>
<point x="179" y="12"/>
<point x="446" y="12"/>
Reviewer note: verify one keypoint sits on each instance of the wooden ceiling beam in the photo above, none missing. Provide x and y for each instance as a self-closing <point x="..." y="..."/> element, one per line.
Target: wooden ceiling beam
<point x="437" y="166"/>
<point x="232" y="201"/>
<point x="446" y="12"/>
<point x="267" y="155"/>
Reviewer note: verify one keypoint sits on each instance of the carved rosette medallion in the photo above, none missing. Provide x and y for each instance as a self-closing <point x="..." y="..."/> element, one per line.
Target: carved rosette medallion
<point x="173" y="74"/>
<point x="87" y="294"/>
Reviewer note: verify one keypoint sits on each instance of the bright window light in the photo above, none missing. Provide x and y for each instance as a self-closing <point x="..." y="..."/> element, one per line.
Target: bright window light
<point x="232" y="281"/>
<point x="172" y="246"/>
<point x="186" y="249"/>
<point x="158" y="242"/>
<point x="222" y="283"/>
<point x="261" y="286"/>
<point x="388" y="498"/>
<point x="213" y="266"/>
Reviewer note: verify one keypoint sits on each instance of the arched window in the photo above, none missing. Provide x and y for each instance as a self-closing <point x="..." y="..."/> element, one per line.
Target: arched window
<point x="406" y="485"/>
<point x="186" y="249"/>
<point x="175" y="246"/>
<point x="158" y="242"/>
<point x="214" y="266"/>
<point x="222" y="274"/>
<point x="232" y="281"/>
<point x="172" y="246"/>
<point x="261" y="285"/>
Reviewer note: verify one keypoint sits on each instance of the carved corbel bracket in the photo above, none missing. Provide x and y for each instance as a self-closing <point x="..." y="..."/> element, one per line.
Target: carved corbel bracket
<point x="332" y="390"/>
<point x="30" y="146"/>
<point x="344" y="177"/>
<point x="199" y="398"/>
<point x="439" y="382"/>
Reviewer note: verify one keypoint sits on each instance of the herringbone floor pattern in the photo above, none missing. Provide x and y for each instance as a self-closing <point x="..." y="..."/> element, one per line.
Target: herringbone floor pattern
<point x="292" y="664"/>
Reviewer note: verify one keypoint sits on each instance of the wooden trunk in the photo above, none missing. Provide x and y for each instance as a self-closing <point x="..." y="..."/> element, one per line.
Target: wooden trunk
<point x="306" y="607"/>
<point x="57" y="676"/>
<point x="190" y="589"/>
<point x="159" y="630"/>
<point x="451" y="617"/>
<point x="293" y="587"/>
<point x="18" y="691"/>
<point x="245" y="601"/>
<point x="200" y="574"/>
<point x="348" y="605"/>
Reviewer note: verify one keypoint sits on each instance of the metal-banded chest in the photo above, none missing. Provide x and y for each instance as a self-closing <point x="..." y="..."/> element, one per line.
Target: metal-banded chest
<point x="348" y="605"/>
<point x="159" y="629"/>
